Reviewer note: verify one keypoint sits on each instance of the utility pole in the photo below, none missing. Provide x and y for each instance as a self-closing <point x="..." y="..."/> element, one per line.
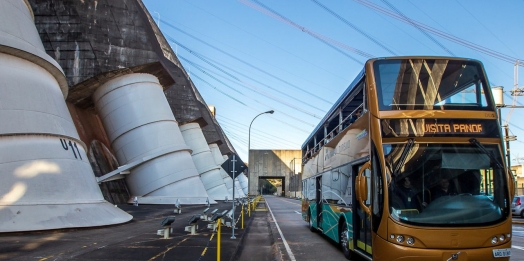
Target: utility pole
<point x="500" y="103"/>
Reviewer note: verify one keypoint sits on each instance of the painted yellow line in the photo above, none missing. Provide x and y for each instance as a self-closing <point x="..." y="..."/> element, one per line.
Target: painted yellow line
<point x="167" y="250"/>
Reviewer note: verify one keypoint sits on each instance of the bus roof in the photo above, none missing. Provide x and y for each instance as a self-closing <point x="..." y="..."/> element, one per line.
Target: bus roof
<point x="357" y="79"/>
<point x="334" y="108"/>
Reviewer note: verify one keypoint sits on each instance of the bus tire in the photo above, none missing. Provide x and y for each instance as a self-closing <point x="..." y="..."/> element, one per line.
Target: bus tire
<point x="310" y="222"/>
<point x="344" y="241"/>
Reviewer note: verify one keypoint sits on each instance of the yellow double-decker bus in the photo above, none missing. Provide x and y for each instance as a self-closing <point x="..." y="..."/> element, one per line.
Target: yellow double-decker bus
<point x="408" y="164"/>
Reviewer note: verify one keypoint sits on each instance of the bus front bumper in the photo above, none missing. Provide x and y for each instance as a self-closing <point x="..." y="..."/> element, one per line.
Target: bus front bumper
<point x="384" y="250"/>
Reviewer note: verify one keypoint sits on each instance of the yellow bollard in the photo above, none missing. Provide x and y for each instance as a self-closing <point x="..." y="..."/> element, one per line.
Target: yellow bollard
<point x="218" y="240"/>
<point x="249" y="209"/>
<point x="242" y="216"/>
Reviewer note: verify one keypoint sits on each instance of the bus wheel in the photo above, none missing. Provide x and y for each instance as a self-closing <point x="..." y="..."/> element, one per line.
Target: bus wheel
<point x="310" y="224"/>
<point x="344" y="241"/>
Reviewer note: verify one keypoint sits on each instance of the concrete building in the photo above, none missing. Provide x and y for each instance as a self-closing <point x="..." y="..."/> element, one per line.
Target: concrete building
<point x="518" y="173"/>
<point x="276" y="164"/>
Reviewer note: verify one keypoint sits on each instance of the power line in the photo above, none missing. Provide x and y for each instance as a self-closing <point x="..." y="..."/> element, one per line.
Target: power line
<point x="246" y="63"/>
<point x="276" y="46"/>
<point x="416" y="26"/>
<point x="242" y="127"/>
<point x="263" y="84"/>
<point x="354" y="27"/>
<point x="255" y="110"/>
<point x="224" y="93"/>
<point x="326" y="40"/>
<point x="245" y="84"/>
<point x="478" y="21"/>
<point x="444" y="35"/>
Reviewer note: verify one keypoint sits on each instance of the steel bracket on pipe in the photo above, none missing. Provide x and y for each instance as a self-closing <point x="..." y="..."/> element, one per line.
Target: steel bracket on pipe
<point x="124" y="170"/>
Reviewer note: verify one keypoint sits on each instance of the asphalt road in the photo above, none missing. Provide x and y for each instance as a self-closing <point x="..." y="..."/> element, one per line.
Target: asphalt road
<point x="301" y="243"/>
<point x="517" y="248"/>
<point x="296" y="242"/>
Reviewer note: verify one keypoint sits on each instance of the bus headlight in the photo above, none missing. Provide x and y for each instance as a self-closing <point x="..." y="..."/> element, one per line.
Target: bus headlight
<point x="502" y="238"/>
<point x="508" y="236"/>
<point x="494" y="240"/>
<point x="400" y="238"/>
<point x="410" y="241"/>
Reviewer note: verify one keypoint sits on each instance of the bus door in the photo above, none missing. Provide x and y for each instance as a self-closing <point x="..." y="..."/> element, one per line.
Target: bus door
<point x="318" y="198"/>
<point x="362" y="215"/>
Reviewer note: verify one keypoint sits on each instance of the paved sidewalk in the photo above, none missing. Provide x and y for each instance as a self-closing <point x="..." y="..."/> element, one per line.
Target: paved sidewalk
<point x="138" y="239"/>
<point x="258" y="243"/>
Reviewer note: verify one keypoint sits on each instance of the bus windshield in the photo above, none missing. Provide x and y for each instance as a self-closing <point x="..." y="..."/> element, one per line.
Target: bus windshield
<point x="431" y="84"/>
<point x="446" y="184"/>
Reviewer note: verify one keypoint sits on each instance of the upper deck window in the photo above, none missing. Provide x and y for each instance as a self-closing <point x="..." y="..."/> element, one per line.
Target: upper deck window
<point x="431" y="84"/>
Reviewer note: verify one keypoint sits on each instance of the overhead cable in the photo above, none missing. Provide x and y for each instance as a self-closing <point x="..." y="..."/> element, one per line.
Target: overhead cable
<point x="245" y="84"/>
<point x="309" y="103"/>
<point x="444" y="35"/>
<point x="254" y="109"/>
<point x="326" y="40"/>
<point x="249" y="64"/>
<point x="420" y="29"/>
<point x="333" y="13"/>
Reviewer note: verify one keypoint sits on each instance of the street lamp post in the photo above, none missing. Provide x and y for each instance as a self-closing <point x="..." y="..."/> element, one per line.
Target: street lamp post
<point x="249" y="149"/>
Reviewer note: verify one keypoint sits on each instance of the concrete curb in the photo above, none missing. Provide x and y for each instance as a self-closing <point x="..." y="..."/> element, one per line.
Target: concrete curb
<point x="238" y="249"/>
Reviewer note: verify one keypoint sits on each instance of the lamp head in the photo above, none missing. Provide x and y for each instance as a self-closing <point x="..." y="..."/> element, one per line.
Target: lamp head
<point x="270" y="112"/>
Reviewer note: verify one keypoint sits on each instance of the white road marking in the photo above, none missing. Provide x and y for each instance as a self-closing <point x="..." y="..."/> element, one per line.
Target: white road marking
<point x="300" y="213"/>
<point x="291" y="256"/>
<point x="518" y="247"/>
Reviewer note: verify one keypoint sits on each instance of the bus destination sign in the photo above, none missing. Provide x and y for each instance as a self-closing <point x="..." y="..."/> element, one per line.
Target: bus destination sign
<point x="439" y="128"/>
<point x="465" y="128"/>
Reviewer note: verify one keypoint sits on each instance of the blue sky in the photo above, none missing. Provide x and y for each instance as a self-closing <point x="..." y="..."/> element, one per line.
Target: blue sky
<point x="297" y="57"/>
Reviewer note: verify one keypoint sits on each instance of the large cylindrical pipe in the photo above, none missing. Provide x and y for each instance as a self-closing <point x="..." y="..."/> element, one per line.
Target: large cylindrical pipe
<point x="218" y="160"/>
<point x="243" y="182"/>
<point x="205" y="163"/>
<point x="47" y="181"/>
<point x="141" y="127"/>
<point x="239" y="189"/>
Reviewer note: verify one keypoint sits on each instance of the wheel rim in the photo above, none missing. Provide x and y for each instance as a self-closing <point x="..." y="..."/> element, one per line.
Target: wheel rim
<point x="344" y="235"/>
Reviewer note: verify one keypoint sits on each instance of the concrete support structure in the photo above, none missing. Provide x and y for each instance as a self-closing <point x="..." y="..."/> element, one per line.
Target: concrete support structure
<point x="203" y="158"/>
<point x="243" y="182"/>
<point x="140" y="125"/>
<point x="239" y="193"/>
<point x="215" y="151"/>
<point x="275" y="164"/>
<point x="47" y="181"/>
<point x="219" y="159"/>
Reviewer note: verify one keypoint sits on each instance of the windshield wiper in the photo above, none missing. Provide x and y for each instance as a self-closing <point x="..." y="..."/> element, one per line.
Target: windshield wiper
<point x="483" y="149"/>
<point x="403" y="156"/>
